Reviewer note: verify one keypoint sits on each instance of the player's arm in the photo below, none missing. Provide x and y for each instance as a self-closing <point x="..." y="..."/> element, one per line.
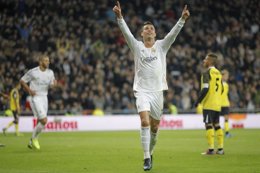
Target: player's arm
<point x="27" y="88"/>
<point x="228" y="93"/>
<point x="222" y="85"/>
<point x="131" y="41"/>
<point x="54" y="83"/>
<point x="4" y="95"/>
<point x="205" y="88"/>
<point x="171" y="36"/>
<point x="24" y="80"/>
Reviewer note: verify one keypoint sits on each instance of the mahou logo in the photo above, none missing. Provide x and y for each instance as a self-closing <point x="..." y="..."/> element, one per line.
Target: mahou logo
<point x="171" y="124"/>
<point x="58" y="124"/>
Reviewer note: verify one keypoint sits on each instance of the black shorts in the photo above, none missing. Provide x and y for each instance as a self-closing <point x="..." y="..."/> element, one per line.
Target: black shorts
<point x="210" y="116"/>
<point x="224" y="111"/>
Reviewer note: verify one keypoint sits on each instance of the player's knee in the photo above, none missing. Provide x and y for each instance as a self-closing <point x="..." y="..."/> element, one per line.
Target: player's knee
<point x="43" y="121"/>
<point x="216" y="126"/>
<point x="145" y="123"/>
<point x="209" y="126"/>
<point x="15" y="121"/>
<point x="154" y="129"/>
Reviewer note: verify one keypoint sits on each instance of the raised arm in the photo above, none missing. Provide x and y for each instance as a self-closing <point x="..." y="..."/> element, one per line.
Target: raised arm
<point x="131" y="41"/>
<point x="171" y="36"/>
<point x="117" y="10"/>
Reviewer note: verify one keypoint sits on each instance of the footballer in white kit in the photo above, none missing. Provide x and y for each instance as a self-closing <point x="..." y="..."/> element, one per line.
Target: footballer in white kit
<point x="150" y="76"/>
<point x="40" y="79"/>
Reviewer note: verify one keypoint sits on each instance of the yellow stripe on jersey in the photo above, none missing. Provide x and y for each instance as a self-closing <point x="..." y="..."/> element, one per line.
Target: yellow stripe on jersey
<point x="213" y="98"/>
<point x="14" y="99"/>
<point x="224" y="96"/>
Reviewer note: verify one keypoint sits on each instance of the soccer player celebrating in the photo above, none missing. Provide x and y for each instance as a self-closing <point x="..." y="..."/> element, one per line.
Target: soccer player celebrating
<point x="209" y="97"/>
<point x="150" y="76"/>
<point x="225" y="102"/>
<point x="41" y="78"/>
<point x="15" y="108"/>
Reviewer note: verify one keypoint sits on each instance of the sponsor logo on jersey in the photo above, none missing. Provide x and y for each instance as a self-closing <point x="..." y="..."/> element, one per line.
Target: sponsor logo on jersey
<point x="150" y="59"/>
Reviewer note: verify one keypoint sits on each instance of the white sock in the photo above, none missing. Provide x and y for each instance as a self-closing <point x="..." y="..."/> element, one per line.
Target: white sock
<point x="153" y="141"/>
<point x="145" y="139"/>
<point x="37" y="130"/>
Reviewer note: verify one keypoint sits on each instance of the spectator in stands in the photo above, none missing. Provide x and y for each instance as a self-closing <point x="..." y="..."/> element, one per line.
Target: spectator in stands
<point x="234" y="36"/>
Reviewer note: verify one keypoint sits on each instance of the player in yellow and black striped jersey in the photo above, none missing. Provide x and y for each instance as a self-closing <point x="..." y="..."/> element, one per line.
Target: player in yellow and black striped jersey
<point x="14" y="99"/>
<point x="209" y="97"/>
<point x="225" y="102"/>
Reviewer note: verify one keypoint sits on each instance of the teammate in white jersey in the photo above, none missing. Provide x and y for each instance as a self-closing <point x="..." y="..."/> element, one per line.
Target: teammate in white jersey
<point x="41" y="78"/>
<point x="150" y="76"/>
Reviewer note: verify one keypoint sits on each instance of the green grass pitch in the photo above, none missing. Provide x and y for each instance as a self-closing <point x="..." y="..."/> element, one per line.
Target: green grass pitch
<point x="177" y="151"/>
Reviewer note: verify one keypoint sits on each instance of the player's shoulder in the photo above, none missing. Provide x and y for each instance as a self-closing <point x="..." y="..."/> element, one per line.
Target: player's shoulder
<point x="214" y="71"/>
<point x="158" y="42"/>
<point x="34" y="69"/>
<point x="50" y="71"/>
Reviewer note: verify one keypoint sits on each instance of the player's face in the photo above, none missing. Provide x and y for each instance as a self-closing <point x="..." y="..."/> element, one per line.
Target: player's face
<point x="206" y="62"/>
<point x="148" y="31"/>
<point x="45" y="62"/>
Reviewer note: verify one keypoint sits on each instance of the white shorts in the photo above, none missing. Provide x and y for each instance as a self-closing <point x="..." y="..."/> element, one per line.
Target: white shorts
<point x="39" y="105"/>
<point x="150" y="101"/>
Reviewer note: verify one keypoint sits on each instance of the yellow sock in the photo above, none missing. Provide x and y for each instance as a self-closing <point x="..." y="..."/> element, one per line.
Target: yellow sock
<point x="210" y="138"/>
<point x="226" y="126"/>
<point x="10" y="124"/>
<point x="220" y="138"/>
<point x="16" y="128"/>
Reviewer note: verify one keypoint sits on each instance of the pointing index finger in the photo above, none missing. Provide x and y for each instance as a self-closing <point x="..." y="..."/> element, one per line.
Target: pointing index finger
<point x="185" y="7"/>
<point x="118" y="4"/>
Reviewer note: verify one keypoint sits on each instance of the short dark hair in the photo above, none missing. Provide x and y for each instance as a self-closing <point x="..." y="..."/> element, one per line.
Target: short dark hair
<point x="146" y="23"/>
<point x="213" y="58"/>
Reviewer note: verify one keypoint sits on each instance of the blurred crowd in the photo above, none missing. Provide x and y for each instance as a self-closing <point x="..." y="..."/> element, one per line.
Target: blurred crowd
<point x="94" y="66"/>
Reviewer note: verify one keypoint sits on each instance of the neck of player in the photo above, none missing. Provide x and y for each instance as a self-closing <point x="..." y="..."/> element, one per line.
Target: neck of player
<point x="42" y="68"/>
<point x="149" y="42"/>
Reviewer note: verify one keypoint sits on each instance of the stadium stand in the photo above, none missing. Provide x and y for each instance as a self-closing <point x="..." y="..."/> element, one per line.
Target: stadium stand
<point x="94" y="66"/>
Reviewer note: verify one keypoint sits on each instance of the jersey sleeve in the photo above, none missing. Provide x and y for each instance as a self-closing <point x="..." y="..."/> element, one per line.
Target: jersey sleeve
<point x="131" y="41"/>
<point x="52" y="78"/>
<point x="171" y="36"/>
<point x="27" y="76"/>
<point x="205" y="79"/>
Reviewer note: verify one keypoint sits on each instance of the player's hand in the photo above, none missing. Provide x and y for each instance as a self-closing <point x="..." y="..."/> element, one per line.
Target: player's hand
<point x="32" y="93"/>
<point x="185" y="13"/>
<point x="54" y="83"/>
<point x="195" y="104"/>
<point x="117" y="10"/>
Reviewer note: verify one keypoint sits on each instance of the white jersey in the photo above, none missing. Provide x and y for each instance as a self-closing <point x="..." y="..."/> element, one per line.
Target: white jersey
<point x="150" y="63"/>
<point x="40" y="81"/>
